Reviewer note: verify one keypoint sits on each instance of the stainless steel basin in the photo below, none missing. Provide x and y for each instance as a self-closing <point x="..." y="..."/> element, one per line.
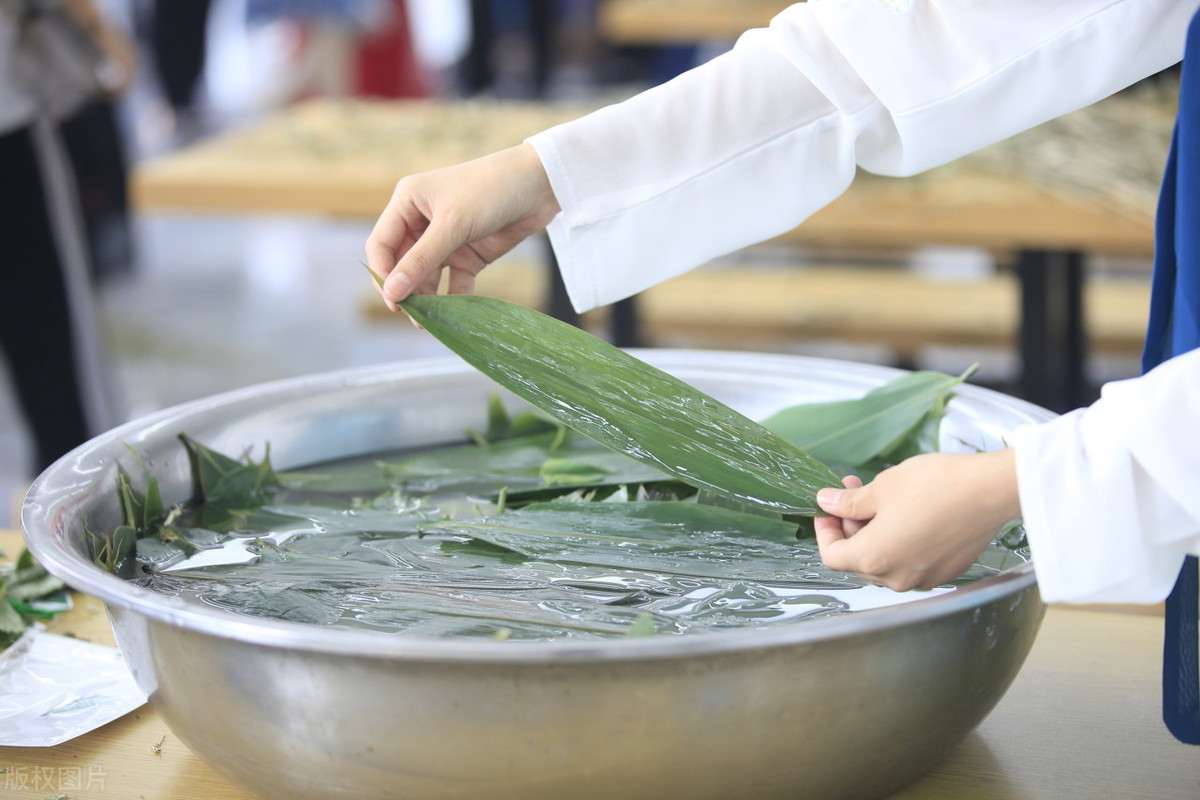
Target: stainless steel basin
<point x="852" y="706"/>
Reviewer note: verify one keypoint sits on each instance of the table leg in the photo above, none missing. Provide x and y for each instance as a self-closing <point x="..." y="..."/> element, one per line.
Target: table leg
<point x="623" y="314"/>
<point x="623" y="323"/>
<point x="1053" y="335"/>
<point x="558" y="303"/>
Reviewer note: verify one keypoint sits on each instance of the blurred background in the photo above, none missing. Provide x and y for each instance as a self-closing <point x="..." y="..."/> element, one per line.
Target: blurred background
<point x="229" y="190"/>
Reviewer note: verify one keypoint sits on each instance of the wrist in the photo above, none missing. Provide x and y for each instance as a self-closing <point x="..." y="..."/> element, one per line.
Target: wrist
<point x="999" y="483"/>
<point x="536" y="180"/>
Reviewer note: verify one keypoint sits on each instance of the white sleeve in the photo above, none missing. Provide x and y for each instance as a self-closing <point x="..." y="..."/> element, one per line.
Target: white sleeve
<point x="749" y="145"/>
<point x="1111" y="493"/>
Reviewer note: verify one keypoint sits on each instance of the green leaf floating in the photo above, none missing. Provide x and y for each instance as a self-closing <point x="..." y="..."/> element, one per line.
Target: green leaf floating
<point x="623" y="402"/>
<point x="899" y="419"/>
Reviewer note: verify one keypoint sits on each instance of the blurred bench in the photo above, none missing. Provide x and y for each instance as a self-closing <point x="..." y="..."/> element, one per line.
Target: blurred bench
<point x="752" y="307"/>
<point x="656" y="22"/>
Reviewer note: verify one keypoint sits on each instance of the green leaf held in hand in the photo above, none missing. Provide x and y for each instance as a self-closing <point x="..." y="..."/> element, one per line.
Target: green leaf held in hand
<point x="623" y="402"/>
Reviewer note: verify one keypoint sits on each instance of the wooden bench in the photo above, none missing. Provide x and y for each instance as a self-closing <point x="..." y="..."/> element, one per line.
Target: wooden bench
<point x="750" y="306"/>
<point x="656" y="22"/>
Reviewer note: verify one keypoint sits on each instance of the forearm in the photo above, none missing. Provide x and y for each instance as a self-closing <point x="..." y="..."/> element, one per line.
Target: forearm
<point x="749" y="145"/>
<point x="686" y="171"/>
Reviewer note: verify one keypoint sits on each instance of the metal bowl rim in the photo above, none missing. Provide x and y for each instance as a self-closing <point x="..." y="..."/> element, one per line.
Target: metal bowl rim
<point x="84" y="576"/>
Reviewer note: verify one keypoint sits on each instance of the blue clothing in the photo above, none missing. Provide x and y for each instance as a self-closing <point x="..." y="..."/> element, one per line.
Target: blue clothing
<point x="362" y="14"/>
<point x="1174" y="328"/>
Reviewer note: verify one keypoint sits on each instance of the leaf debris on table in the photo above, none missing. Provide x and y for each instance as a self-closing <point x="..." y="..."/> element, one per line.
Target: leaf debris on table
<point x="28" y="594"/>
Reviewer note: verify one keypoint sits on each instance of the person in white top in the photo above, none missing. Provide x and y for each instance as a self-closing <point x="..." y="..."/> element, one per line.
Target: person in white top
<point x="748" y="145"/>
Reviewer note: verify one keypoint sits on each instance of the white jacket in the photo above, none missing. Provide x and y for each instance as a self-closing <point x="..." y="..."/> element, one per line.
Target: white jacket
<point x="750" y="144"/>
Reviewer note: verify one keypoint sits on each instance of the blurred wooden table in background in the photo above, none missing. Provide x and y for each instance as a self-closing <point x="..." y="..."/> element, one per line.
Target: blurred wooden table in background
<point x="655" y="22"/>
<point x="343" y="158"/>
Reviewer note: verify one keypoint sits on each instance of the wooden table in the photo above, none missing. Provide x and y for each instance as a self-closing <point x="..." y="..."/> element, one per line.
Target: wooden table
<point x="1081" y="721"/>
<point x="656" y="22"/>
<point x="343" y="158"/>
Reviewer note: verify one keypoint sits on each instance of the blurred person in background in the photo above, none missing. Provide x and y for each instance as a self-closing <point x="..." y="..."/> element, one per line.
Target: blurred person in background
<point x="537" y="19"/>
<point x="328" y="35"/>
<point x="55" y="58"/>
<point x="177" y="34"/>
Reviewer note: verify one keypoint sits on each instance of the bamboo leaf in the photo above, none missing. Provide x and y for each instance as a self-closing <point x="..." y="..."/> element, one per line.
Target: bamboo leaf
<point x="897" y="419"/>
<point x="623" y="402"/>
<point x="11" y="624"/>
<point x="220" y="479"/>
<point x="924" y="437"/>
<point x="499" y="423"/>
<point x="560" y="471"/>
<point x="121" y="545"/>
<point x="658" y="537"/>
<point x="34" y="587"/>
<point x="528" y="423"/>
<point x="150" y="503"/>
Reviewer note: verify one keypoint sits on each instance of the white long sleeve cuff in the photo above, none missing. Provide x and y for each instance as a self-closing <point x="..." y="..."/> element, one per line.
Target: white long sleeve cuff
<point x="1110" y="494"/>
<point x="749" y="145"/>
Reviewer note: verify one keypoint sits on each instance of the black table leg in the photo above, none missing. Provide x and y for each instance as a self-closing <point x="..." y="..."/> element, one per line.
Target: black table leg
<point x="623" y="314"/>
<point x="559" y="305"/>
<point x="1053" y="332"/>
<point x="623" y="323"/>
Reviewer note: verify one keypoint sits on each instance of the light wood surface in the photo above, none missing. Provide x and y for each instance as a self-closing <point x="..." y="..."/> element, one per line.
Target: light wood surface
<point x="331" y="157"/>
<point x="1081" y="721"/>
<point x="653" y="22"/>
<point x="751" y="306"/>
<point x="343" y="158"/>
<point x="958" y="204"/>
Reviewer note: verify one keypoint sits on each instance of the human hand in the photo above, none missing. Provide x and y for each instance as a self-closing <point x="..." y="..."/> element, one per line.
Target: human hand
<point x="920" y="523"/>
<point x="459" y="218"/>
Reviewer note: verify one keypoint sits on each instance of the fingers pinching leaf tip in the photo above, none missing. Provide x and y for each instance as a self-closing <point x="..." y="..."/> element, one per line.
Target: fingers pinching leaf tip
<point x="828" y="499"/>
<point x="379" y="288"/>
<point x="397" y="286"/>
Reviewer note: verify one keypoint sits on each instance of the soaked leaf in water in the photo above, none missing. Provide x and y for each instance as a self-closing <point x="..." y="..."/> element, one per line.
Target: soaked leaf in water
<point x="421" y="548"/>
<point x="663" y="537"/>
<point x="516" y="464"/>
<point x="221" y="479"/>
<point x="565" y="569"/>
<point x="896" y="420"/>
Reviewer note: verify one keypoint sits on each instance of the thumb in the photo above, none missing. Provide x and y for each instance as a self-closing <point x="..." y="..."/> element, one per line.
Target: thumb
<point x="422" y="261"/>
<point x="853" y="503"/>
